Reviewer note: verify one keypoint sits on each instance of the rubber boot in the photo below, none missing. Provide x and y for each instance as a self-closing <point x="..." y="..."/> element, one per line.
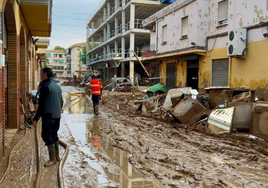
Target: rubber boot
<point x="96" y="110"/>
<point x="57" y="150"/>
<point x="52" y="160"/>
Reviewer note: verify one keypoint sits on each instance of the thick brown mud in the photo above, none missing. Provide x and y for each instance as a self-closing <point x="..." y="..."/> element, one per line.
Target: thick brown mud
<point x="183" y="156"/>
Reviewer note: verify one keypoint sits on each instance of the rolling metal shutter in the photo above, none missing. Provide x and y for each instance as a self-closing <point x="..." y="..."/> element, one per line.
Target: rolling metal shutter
<point x="171" y="75"/>
<point x="220" y="69"/>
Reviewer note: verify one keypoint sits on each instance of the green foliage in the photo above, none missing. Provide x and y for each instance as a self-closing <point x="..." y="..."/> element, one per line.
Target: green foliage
<point x="59" y="48"/>
<point x="84" y="50"/>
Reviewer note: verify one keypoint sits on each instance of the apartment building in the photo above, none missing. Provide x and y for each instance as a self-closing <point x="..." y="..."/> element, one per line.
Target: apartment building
<point x="116" y="28"/>
<point x="55" y="59"/>
<point x="202" y="43"/>
<point x="75" y="60"/>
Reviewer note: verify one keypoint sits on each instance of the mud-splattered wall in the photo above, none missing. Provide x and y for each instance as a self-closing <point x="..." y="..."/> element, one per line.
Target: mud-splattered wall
<point x="197" y="23"/>
<point x="240" y="14"/>
<point x="203" y="22"/>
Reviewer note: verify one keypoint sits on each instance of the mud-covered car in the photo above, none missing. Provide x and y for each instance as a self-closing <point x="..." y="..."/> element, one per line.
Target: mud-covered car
<point x="156" y="89"/>
<point x="119" y="84"/>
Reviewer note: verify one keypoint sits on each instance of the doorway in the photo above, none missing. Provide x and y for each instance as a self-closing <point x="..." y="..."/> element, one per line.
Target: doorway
<point x="171" y="76"/>
<point x="192" y="73"/>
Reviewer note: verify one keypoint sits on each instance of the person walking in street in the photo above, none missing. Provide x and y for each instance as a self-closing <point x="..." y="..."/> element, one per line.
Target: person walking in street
<point x="49" y="108"/>
<point x="96" y="87"/>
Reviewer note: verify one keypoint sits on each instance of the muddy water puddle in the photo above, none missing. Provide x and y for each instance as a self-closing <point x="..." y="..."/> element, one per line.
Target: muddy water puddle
<point x="128" y="177"/>
<point x="76" y="105"/>
<point x="87" y="128"/>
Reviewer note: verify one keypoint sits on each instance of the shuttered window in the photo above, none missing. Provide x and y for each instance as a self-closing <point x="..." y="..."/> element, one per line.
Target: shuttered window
<point x="220" y="69"/>
<point x="184" y="23"/>
<point x="164" y="34"/>
<point x="223" y="12"/>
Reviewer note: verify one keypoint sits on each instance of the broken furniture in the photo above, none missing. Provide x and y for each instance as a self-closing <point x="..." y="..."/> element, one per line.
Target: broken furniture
<point x="189" y="111"/>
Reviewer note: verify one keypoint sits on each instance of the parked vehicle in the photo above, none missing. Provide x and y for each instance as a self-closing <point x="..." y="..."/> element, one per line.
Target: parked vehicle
<point x="156" y="89"/>
<point x="119" y="84"/>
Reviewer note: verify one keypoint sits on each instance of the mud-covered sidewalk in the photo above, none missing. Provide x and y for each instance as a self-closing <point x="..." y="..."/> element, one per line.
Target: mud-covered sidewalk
<point x="177" y="155"/>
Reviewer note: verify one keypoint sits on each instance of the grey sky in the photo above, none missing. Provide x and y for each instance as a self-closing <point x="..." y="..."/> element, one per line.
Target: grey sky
<point x="69" y="18"/>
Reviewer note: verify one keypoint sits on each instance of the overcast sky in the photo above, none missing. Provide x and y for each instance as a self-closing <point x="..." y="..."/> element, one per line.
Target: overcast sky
<point x="69" y="18"/>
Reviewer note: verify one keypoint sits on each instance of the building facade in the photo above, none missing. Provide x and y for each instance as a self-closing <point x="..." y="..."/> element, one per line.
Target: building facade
<point x="203" y="43"/>
<point x="75" y="60"/>
<point x="115" y="37"/>
<point x="20" y="64"/>
<point x="55" y="59"/>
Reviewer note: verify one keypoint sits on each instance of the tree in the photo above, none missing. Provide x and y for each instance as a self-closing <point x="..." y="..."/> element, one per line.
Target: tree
<point x="84" y="50"/>
<point x="59" y="48"/>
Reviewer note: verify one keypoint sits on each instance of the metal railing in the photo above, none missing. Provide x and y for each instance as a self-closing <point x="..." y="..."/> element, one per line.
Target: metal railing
<point x="127" y="26"/>
<point x="112" y="10"/>
<point x="138" y="23"/>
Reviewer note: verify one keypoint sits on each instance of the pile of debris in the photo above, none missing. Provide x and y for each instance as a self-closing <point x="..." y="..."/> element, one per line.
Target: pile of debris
<point x="222" y="109"/>
<point x="120" y="84"/>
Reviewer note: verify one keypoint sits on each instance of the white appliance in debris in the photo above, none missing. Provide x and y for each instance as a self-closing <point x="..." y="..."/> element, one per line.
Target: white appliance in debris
<point x="237" y="40"/>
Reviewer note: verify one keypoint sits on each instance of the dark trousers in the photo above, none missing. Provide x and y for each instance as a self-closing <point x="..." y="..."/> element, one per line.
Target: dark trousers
<point x="50" y="127"/>
<point x="95" y="99"/>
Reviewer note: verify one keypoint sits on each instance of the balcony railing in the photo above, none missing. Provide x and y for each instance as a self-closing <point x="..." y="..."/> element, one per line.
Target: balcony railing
<point x="112" y="10"/>
<point x="138" y="23"/>
<point x="112" y="54"/>
<point x="120" y="29"/>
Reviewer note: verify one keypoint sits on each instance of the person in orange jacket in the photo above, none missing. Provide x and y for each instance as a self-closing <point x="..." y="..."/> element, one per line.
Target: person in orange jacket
<point x="96" y="87"/>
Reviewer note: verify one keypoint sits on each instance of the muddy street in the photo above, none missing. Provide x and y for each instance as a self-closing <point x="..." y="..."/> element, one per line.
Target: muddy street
<point x="163" y="153"/>
<point x="122" y="148"/>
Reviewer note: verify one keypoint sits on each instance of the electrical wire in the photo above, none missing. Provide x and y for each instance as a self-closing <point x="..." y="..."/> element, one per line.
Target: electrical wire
<point x="68" y="25"/>
<point x="69" y="17"/>
<point x="71" y="13"/>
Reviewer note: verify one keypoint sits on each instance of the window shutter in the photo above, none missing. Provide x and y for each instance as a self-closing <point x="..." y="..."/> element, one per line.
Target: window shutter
<point x="223" y="10"/>
<point x="220" y="68"/>
<point x="184" y="26"/>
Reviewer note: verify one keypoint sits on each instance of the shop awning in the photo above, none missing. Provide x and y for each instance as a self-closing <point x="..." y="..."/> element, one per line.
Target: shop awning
<point x="37" y="14"/>
<point x="179" y="53"/>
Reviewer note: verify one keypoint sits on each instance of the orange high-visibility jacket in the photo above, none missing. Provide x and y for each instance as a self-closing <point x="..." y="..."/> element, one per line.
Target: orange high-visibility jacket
<point x="96" y="86"/>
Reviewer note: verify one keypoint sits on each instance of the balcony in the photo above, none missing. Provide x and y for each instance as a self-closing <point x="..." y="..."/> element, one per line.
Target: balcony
<point x="68" y="59"/>
<point x="148" y="50"/>
<point x="68" y="69"/>
<point x="37" y="14"/>
<point x="42" y="42"/>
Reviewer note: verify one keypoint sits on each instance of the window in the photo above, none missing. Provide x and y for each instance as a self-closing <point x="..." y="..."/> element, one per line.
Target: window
<point x="60" y="55"/>
<point x="220" y="69"/>
<point x="48" y="54"/>
<point x="164" y="34"/>
<point x="184" y="23"/>
<point x="223" y="12"/>
<point x="54" y="55"/>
